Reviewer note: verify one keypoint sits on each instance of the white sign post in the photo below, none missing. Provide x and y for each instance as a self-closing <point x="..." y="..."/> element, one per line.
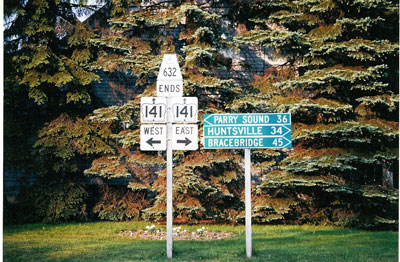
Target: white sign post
<point x="169" y="190"/>
<point x="247" y="185"/>
<point x="223" y="131"/>
<point x="169" y="107"/>
<point x="169" y="84"/>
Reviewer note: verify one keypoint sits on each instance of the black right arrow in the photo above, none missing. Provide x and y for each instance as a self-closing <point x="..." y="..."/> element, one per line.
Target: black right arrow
<point x="187" y="141"/>
<point x="151" y="141"/>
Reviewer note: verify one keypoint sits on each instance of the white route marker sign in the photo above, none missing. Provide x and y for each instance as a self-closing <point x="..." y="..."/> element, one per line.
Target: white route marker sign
<point x="184" y="109"/>
<point x="153" y="137"/>
<point x="169" y="80"/>
<point x="169" y="107"/>
<point x="184" y="137"/>
<point x="153" y="110"/>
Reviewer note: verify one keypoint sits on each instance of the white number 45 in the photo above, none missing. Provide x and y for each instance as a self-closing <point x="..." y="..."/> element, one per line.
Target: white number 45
<point x="278" y="142"/>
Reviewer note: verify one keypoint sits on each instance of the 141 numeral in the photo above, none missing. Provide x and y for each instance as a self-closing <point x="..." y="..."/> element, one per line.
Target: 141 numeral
<point x="186" y="111"/>
<point x="155" y="111"/>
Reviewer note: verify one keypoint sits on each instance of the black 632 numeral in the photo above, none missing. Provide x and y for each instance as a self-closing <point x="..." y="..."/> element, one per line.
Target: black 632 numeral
<point x="169" y="71"/>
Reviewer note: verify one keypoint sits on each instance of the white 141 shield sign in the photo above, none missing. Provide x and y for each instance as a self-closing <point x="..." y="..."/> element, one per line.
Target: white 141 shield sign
<point x="153" y="109"/>
<point x="184" y="109"/>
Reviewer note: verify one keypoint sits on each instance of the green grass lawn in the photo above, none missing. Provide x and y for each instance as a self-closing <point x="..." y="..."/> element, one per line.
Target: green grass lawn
<point x="100" y="242"/>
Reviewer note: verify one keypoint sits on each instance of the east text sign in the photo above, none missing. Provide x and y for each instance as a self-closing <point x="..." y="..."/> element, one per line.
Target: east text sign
<point x="184" y="137"/>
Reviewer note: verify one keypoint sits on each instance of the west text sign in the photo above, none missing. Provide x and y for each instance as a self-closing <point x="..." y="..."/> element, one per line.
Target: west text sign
<point x="153" y="137"/>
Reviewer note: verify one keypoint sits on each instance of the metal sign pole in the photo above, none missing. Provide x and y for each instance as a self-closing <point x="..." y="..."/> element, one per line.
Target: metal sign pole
<point x="259" y="130"/>
<point x="169" y="184"/>
<point x="169" y="107"/>
<point x="247" y="164"/>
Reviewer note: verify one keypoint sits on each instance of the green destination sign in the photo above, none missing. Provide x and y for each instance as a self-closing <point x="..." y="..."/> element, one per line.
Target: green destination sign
<point x="247" y="131"/>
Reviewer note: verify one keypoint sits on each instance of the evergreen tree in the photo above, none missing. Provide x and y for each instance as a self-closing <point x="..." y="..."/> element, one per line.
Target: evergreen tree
<point x="205" y="182"/>
<point x="339" y="81"/>
<point x="47" y="79"/>
<point x="47" y="51"/>
<point x="44" y="65"/>
<point x="336" y="74"/>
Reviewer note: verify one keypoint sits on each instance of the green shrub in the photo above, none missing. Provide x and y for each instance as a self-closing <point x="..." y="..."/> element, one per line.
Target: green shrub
<point x="120" y="203"/>
<point x="52" y="201"/>
<point x="9" y="215"/>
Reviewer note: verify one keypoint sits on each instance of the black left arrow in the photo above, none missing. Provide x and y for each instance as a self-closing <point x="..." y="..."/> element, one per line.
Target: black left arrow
<point x="187" y="141"/>
<point x="151" y="141"/>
